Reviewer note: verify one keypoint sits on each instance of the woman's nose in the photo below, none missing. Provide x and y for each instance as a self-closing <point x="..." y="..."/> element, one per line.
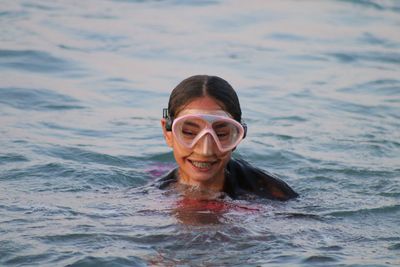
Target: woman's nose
<point x="205" y="146"/>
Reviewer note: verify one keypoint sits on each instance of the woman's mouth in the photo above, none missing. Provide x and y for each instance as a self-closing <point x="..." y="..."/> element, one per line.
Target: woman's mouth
<point x="202" y="165"/>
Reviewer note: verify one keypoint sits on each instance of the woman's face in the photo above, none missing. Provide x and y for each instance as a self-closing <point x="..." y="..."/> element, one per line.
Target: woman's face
<point x="203" y="165"/>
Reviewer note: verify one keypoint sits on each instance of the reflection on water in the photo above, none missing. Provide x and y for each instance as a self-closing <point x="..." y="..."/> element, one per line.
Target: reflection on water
<point x="82" y="87"/>
<point x="199" y="212"/>
<point x="198" y="207"/>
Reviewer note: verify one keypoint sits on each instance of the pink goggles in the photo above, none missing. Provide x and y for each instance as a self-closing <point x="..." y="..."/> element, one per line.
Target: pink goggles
<point x="226" y="132"/>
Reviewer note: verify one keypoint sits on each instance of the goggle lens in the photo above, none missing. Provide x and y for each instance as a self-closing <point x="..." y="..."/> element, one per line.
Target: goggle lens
<point x="189" y="129"/>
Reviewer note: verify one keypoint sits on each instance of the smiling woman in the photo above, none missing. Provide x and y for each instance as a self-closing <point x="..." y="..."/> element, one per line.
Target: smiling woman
<point x="203" y="126"/>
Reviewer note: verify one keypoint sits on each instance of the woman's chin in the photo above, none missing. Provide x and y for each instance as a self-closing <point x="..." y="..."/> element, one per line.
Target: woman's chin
<point x="203" y="171"/>
<point x="200" y="178"/>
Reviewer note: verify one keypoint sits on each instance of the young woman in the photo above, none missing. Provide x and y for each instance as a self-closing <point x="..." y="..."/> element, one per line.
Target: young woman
<point x="203" y="125"/>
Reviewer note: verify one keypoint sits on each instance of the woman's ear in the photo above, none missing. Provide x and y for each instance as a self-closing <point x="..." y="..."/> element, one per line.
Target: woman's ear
<point x="167" y="134"/>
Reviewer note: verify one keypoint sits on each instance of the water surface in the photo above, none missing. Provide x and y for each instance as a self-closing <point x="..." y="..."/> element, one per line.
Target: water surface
<point x="82" y="87"/>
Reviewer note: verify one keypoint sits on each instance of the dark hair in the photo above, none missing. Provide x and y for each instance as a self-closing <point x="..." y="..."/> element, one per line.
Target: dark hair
<point x="204" y="85"/>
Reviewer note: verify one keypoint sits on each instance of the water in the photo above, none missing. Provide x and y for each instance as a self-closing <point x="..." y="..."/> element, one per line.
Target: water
<point x="82" y="87"/>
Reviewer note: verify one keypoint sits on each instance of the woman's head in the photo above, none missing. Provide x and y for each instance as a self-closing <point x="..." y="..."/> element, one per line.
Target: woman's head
<point x="202" y="127"/>
<point x="200" y="86"/>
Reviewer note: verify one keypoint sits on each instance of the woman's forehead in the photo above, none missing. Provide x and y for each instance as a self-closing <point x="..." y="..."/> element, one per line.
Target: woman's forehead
<point x="219" y="112"/>
<point x="203" y="105"/>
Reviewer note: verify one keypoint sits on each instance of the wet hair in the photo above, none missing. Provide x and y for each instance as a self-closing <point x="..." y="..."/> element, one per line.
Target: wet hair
<point x="200" y="86"/>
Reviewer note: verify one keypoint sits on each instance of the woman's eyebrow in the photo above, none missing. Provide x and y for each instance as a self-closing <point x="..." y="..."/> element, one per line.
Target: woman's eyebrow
<point x="220" y="125"/>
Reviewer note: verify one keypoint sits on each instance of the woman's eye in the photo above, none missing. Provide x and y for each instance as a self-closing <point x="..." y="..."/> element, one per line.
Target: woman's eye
<point x="222" y="134"/>
<point x="188" y="133"/>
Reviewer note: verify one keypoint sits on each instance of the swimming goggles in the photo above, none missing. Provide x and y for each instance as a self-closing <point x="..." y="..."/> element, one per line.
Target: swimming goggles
<point x="226" y="132"/>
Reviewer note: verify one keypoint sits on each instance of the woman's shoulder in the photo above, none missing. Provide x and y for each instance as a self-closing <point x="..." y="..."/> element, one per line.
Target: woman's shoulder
<point x="244" y="178"/>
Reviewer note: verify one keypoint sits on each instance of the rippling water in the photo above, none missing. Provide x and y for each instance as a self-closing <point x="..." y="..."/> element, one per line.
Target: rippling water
<point x="82" y="87"/>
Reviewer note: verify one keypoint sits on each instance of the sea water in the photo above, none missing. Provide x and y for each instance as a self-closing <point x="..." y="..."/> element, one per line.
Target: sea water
<point x="82" y="87"/>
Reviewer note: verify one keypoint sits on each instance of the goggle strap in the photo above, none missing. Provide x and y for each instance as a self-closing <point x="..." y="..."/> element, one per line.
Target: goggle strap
<point x="168" y="125"/>
<point x="245" y="129"/>
<point x="165" y="113"/>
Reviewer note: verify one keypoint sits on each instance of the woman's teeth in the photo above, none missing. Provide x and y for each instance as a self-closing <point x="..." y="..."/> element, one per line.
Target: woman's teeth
<point x="202" y="165"/>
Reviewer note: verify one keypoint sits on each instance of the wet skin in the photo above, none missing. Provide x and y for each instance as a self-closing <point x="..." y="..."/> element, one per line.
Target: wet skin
<point x="202" y="166"/>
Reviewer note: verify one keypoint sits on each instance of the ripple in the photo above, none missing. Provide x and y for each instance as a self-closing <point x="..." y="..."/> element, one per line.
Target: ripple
<point x="35" y="61"/>
<point x="331" y="248"/>
<point x="384" y="87"/>
<point x="77" y="131"/>
<point x="37" y="99"/>
<point x="13" y="14"/>
<point x="275" y="158"/>
<point x="377" y="5"/>
<point x="319" y="259"/>
<point x="117" y="177"/>
<point x="325" y="172"/>
<point x="41" y="6"/>
<point x="371" y="211"/>
<point x="39" y="170"/>
<point x="373" y="56"/>
<point x="382" y="111"/>
<point x="75" y="238"/>
<point x="86" y="156"/>
<point x="286" y="37"/>
<point x="297" y="215"/>
<point x="12" y="157"/>
<point x="175" y="2"/>
<point x="10" y="248"/>
<point x="394" y="246"/>
<point x="23" y="259"/>
<point x="89" y="261"/>
<point x="76" y="177"/>
<point x="376" y="40"/>
<point x="84" y="239"/>
<point x="289" y="119"/>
